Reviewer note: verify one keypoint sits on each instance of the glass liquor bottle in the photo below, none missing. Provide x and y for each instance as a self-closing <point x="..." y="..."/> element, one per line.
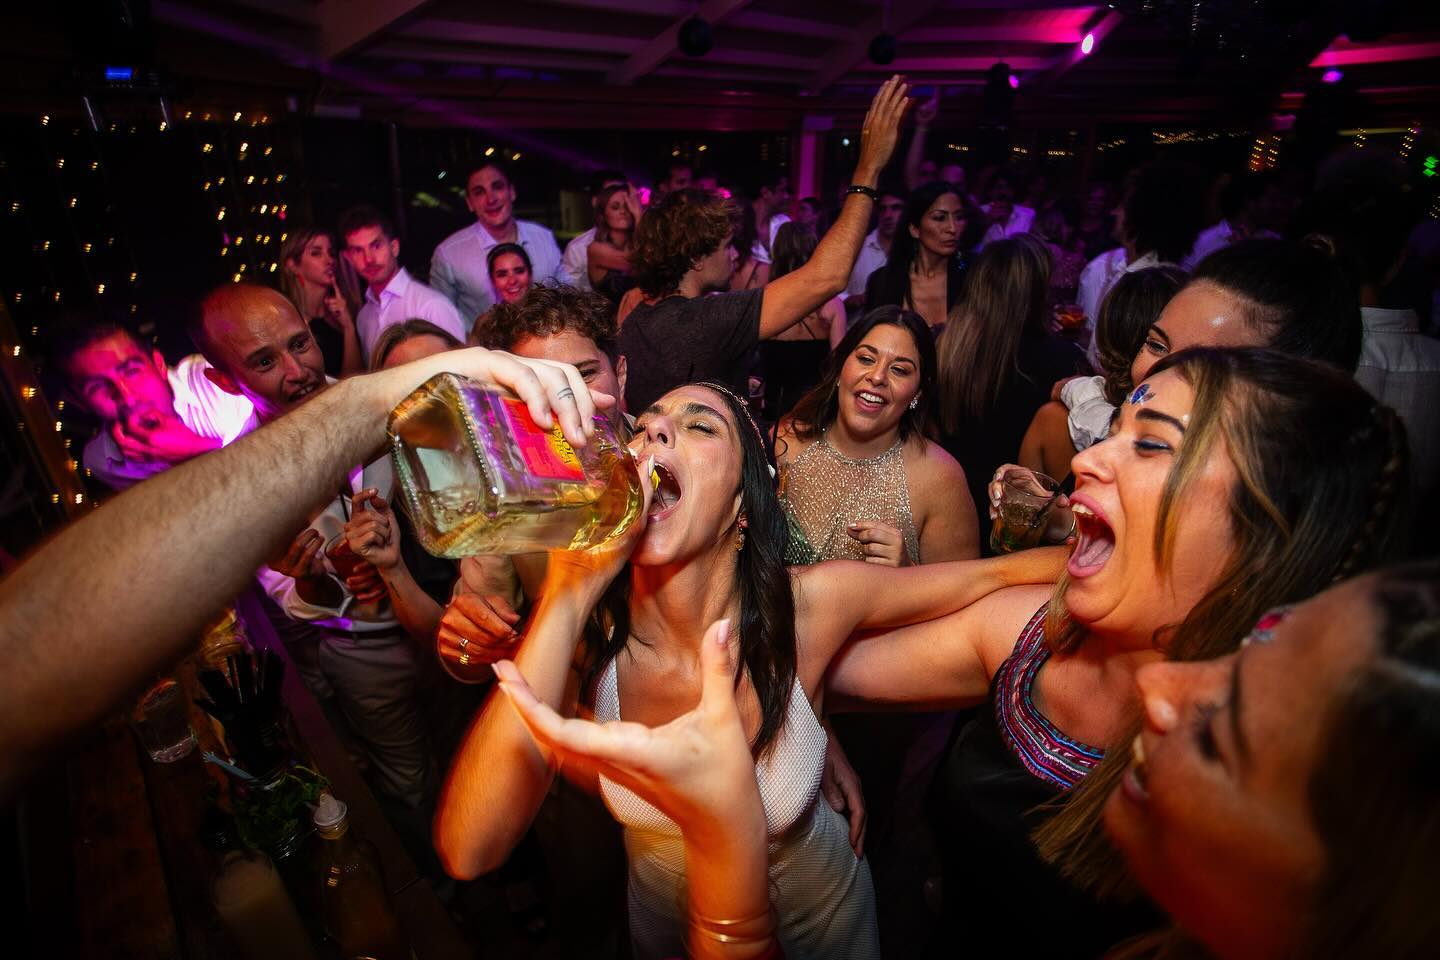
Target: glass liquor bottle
<point x="359" y="915"/>
<point x="478" y="475"/>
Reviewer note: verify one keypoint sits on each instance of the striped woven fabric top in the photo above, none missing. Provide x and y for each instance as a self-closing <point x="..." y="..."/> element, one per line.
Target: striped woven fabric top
<point x="1047" y="753"/>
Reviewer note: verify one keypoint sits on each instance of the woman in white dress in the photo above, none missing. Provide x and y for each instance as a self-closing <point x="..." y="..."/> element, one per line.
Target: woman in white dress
<point x="710" y="546"/>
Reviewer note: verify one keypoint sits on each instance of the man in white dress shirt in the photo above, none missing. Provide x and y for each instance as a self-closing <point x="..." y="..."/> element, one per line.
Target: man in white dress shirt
<point x="260" y="348"/>
<point x="1242" y="203"/>
<point x="771" y="198"/>
<point x="1163" y="210"/>
<point x="458" y="270"/>
<point x="152" y="416"/>
<point x="1366" y="204"/>
<point x="575" y="263"/>
<point x="392" y="296"/>
<point x="1006" y="217"/>
<point x="876" y="249"/>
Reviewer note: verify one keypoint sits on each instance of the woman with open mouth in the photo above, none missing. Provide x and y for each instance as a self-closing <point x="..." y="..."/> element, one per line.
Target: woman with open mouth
<point x="1232" y="481"/>
<point x="711" y="545"/>
<point x="1259" y="835"/>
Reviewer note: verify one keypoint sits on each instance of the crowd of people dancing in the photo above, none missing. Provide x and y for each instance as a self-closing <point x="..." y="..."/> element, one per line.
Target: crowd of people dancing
<point x="1199" y="715"/>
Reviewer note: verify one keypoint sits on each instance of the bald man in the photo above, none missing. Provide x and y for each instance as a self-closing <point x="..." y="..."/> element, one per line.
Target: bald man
<point x="258" y="348"/>
<point x="357" y="656"/>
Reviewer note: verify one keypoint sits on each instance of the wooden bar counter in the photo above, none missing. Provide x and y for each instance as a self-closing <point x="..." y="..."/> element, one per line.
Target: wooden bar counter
<point x="113" y="856"/>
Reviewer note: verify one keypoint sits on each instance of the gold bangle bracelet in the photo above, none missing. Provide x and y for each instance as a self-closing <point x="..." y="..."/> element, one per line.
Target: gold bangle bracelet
<point x="717" y="929"/>
<point x="765" y="937"/>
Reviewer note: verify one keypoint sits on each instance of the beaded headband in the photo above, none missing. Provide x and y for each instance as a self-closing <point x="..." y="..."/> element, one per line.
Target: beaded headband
<point x="745" y="409"/>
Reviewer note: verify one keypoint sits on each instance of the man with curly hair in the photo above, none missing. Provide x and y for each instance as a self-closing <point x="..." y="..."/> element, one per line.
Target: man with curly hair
<point x="567" y="325"/>
<point x="682" y="252"/>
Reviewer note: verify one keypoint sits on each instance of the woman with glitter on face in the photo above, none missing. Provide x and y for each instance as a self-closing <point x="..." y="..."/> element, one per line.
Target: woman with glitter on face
<point x="1259" y="836"/>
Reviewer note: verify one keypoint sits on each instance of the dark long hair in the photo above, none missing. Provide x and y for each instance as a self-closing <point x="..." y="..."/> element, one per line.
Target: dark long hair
<point x="1126" y="313"/>
<point x="767" y="603"/>
<point x="1007" y="294"/>
<point x="818" y="408"/>
<point x="794" y="244"/>
<point x="1375" y="798"/>
<point x="905" y="248"/>
<point x="1295" y="294"/>
<point x="1321" y="495"/>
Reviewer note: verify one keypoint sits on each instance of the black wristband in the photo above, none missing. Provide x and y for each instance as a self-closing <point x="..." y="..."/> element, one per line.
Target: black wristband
<point x="862" y="189"/>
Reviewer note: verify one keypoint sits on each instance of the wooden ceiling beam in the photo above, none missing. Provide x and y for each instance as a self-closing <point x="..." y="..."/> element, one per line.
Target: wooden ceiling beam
<point x="347" y="25"/>
<point x="459" y="31"/>
<point x="664" y="46"/>
<point x="850" y="53"/>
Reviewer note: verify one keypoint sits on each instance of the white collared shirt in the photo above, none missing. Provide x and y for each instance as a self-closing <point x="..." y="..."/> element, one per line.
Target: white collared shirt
<point x="459" y="272"/>
<point x="872" y="257"/>
<point x="1020" y="221"/>
<point x="330" y="524"/>
<point x="1218" y="237"/>
<point x="405" y="298"/>
<point x="203" y="407"/>
<point x="575" y="264"/>
<point x="1400" y="367"/>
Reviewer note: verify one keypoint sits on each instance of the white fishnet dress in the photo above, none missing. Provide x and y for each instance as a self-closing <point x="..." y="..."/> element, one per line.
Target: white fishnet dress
<point x="822" y="892"/>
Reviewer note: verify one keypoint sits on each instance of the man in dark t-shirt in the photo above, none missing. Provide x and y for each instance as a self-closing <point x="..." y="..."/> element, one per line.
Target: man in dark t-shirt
<point x="682" y="253"/>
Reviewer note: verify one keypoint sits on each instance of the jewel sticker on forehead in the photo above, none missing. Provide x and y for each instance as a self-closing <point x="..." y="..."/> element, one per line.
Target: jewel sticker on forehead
<point x="1264" y="631"/>
<point x="1142" y="394"/>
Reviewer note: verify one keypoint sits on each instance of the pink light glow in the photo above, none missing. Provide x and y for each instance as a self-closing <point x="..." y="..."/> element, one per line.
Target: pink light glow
<point x="1014" y="82"/>
<point x="644" y="195"/>
<point x="1331" y="76"/>
<point x="1343" y="53"/>
<point x="1088" y="44"/>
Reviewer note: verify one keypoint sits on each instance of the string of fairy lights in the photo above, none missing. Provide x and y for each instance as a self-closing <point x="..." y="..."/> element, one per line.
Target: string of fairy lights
<point x="244" y="178"/>
<point x="61" y="202"/>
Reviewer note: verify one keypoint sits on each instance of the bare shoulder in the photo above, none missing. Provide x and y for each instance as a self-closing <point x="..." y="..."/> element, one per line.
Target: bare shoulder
<point x="788" y="442"/>
<point x="1051" y="413"/>
<point x="1003" y="615"/>
<point x="932" y="471"/>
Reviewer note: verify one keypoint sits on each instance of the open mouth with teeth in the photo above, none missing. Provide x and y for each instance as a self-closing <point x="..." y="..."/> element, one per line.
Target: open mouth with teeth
<point x="305" y="391"/>
<point x="869" y="401"/>
<point x="1136" y="783"/>
<point x="667" y="492"/>
<point x="1096" y="542"/>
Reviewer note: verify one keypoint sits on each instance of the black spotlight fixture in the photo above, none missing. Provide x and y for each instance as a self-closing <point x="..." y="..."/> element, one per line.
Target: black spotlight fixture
<point x="883" y="49"/>
<point x="695" y="37"/>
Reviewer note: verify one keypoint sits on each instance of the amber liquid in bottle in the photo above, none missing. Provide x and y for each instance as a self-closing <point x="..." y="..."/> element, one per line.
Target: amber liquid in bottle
<point x="478" y="475"/>
<point x="359" y="915"/>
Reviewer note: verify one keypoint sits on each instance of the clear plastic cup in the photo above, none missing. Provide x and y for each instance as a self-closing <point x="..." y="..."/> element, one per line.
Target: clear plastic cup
<point x="1026" y="498"/>
<point x="162" y="721"/>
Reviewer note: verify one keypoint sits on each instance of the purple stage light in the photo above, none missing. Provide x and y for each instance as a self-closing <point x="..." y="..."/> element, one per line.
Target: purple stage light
<point x="1014" y="82"/>
<point x="1331" y="76"/>
<point x="1087" y="44"/>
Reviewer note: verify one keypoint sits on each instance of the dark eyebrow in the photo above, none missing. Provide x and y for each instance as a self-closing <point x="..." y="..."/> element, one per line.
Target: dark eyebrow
<point x="263" y="351"/>
<point x="1161" y="417"/>
<point x="693" y="408"/>
<point x="1156" y="328"/>
<point x="1237" y="733"/>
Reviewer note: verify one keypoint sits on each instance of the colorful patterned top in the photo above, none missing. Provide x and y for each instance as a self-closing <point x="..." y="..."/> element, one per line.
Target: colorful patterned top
<point x="1046" y="753"/>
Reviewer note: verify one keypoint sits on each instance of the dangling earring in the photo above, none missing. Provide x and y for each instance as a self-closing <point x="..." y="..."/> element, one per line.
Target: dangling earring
<point x="915" y="401"/>
<point x="740" y="540"/>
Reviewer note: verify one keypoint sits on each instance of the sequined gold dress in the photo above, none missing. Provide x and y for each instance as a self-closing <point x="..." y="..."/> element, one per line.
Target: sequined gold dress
<point x="823" y="491"/>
